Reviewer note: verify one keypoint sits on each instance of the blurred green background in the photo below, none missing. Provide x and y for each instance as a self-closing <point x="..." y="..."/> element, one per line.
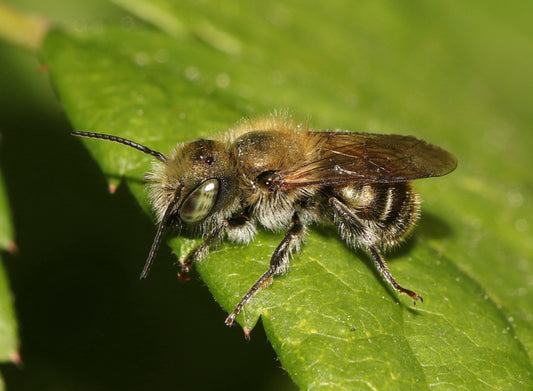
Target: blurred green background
<point x="85" y="321"/>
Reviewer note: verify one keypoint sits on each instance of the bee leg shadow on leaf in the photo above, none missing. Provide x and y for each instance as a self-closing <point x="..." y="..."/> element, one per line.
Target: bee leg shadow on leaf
<point x="430" y="226"/>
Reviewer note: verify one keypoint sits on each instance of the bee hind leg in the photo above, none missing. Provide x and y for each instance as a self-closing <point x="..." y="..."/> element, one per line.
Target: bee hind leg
<point x="383" y="269"/>
<point x="278" y="264"/>
<point x="358" y="233"/>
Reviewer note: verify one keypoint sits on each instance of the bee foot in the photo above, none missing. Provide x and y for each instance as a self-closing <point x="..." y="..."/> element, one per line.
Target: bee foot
<point x="230" y="319"/>
<point x="414" y="296"/>
<point x="183" y="276"/>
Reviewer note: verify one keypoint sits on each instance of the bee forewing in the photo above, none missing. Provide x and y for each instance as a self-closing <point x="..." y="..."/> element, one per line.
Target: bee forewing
<point x="344" y="157"/>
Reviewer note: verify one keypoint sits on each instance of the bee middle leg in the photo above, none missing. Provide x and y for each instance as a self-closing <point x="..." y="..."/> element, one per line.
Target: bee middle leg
<point x="278" y="264"/>
<point x="356" y="233"/>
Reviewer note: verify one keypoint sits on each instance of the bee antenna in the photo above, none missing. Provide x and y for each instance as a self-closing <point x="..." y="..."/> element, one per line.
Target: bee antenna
<point x="153" y="251"/>
<point x="129" y="143"/>
<point x="165" y="221"/>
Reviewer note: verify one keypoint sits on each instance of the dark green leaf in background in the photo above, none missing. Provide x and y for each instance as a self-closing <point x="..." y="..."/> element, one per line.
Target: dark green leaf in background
<point x="6" y="229"/>
<point x="8" y="325"/>
<point x="372" y="66"/>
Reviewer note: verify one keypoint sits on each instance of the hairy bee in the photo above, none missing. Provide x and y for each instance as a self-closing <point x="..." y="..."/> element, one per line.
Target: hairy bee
<point x="284" y="176"/>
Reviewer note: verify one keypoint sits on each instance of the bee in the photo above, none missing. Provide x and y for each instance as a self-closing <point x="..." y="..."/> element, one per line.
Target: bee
<point x="281" y="175"/>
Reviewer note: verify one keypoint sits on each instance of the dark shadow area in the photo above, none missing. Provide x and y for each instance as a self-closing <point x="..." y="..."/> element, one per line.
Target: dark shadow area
<point x="433" y="226"/>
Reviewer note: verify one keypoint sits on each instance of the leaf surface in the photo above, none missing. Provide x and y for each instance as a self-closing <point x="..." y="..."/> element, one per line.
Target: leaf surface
<point x="379" y="68"/>
<point x="8" y="323"/>
<point x="6" y="228"/>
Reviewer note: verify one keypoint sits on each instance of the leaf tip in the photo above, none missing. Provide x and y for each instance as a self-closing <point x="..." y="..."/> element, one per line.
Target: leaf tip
<point x="11" y="247"/>
<point x="247" y="333"/>
<point x="15" y="358"/>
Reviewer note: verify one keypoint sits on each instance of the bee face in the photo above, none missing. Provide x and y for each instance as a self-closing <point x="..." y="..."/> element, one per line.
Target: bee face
<point x="283" y="176"/>
<point x="196" y="179"/>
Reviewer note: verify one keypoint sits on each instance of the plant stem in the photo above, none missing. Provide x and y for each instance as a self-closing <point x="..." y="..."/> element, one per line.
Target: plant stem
<point x="21" y="30"/>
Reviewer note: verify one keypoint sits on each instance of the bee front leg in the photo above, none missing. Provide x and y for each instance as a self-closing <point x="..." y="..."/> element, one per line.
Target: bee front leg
<point x="239" y="229"/>
<point x="202" y="250"/>
<point x="278" y="264"/>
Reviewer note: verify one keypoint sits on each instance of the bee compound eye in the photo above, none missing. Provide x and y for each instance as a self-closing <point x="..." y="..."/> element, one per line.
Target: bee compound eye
<point x="199" y="202"/>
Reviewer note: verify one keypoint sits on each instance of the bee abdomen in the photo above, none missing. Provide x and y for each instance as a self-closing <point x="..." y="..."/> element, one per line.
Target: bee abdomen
<point x="400" y="214"/>
<point x="382" y="214"/>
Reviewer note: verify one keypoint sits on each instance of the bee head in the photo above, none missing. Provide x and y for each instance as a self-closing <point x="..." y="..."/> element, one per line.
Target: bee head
<point x="195" y="185"/>
<point x="197" y="181"/>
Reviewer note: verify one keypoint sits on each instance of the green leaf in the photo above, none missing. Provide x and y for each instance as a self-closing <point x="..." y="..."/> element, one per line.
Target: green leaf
<point x="8" y="323"/>
<point x="6" y="228"/>
<point x="374" y="66"/>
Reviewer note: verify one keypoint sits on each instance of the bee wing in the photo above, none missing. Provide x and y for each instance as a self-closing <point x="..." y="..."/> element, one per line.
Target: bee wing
<point x="345" y="157"/>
